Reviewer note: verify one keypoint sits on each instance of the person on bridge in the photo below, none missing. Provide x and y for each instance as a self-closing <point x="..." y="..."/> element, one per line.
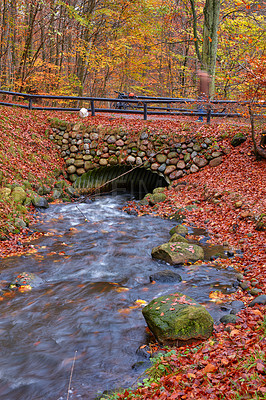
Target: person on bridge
<point x="204" y="87"/>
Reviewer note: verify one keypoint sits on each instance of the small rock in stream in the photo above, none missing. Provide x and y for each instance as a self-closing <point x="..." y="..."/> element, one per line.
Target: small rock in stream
<point x="26" y="279"/>
<point x="237" y="305"/>
<point x="144" y="351"/>
<point x="228" y="319"/>
<point x="165" y="276"/>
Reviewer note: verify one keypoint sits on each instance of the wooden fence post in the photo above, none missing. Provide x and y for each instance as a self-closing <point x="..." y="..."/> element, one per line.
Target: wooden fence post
<point x="209" y="110"/>
<point x="145" y="111"/>
<point x="92" y="109"/>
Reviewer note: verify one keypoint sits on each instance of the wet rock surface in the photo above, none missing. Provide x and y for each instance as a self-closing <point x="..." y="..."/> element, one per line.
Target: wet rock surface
<point x="177" y="319"/>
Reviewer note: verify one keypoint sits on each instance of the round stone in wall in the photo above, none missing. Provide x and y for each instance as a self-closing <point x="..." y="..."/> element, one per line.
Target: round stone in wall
<point x="70" y="161"/>
<point x="196" y="147"/>
<point x="169" y="169"/>
<point x="173" y="161"/>
<point x="162" y="168"/>
<point x="87" y="165"/>
<point x="71" y="169"/>
<point x="161" y="158"/>
<point x="155" y="166"/>
<point x="144" y="136"/>
<point x="94" y="136"/>
<point x="79" y="163"/>
<point x="111" y="139"/>
<point x="131" y="159"/>
<point x="73" y="149"/>
<point x="103" y="162"/>
<point x="180" y="165"/>
<point x="176" y="174"/>
<point x="216" y="154"/>
<point x="200" y="161"/>
<point x="194" y="168"/>
<point x="80" y="171"/>
<point x="172" y="154"/>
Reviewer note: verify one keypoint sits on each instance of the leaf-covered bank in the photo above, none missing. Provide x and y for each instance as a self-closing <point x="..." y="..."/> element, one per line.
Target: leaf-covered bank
<point x="28" y="161"/>
<point x="230" y="202"/>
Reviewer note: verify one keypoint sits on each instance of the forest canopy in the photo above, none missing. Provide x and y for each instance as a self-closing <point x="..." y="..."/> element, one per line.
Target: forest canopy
<point x="151" y="47"/>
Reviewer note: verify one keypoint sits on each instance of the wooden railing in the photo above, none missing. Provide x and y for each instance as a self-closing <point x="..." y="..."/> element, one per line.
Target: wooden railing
<point x="143" y="105"/>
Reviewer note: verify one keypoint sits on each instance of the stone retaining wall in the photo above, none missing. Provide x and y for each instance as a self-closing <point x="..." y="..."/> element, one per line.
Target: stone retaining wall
<point x="89" y="147"/>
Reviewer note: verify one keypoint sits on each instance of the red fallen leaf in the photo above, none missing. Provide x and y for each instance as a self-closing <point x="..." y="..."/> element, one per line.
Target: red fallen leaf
<point x="257" y="312"/>
<point x="224" y="361"/>
<point x="260" y="366"/>
<point x="191" y="375"/>
<point x="209" y="368"/>
<point x="172" y="309"/>
<point x="162" y="314"/>
<point x="234" y="332"/>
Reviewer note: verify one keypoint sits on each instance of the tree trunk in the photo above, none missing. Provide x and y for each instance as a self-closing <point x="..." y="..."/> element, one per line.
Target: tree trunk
<point x="210" y="39"/>
<point x="3" y="44"/>
<point x="258" y="150"/>
<point x="88" y="7"/>
<point x="22" y="72"/>
<point x="195" y="34"/>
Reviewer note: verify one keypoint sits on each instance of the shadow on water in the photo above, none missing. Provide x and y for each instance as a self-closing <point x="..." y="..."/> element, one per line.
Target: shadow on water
<point x="93" y="272"/>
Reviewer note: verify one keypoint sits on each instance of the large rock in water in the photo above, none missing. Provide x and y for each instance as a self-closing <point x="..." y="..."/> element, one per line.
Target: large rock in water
<point x="177" y="319"/>
<point x="178" y="253"/>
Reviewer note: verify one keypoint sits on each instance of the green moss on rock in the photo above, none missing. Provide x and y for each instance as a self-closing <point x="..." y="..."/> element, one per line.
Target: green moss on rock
<point x="180" y="229"/>
<point x="178" y="253"/>
<point x="177" y="319"/>
<point x="178" y="238"/>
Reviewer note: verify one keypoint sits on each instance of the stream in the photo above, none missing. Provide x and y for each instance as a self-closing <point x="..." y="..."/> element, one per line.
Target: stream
<point x="93" y="271"/>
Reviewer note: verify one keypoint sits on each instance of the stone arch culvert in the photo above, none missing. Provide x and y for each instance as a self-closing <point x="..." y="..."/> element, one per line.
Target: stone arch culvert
<point x="110" y="158"/>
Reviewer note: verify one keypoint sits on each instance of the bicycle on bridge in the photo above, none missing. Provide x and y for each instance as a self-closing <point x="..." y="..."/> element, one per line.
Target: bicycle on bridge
<point x="124" y="105"/>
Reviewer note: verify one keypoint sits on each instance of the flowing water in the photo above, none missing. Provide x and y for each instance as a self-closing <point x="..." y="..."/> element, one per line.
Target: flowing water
<point x="93" y="271"/>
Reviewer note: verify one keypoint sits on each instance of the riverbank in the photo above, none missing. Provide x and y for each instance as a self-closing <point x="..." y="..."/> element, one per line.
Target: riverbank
<point x="228" y="201"/>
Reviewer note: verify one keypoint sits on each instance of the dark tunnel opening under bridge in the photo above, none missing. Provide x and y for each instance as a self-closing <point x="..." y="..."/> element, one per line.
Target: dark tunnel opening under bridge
<point x="137" y="181"/>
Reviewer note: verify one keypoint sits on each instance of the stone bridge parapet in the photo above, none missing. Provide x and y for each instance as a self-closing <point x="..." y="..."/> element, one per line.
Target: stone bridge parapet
<point x="172" y="156"/>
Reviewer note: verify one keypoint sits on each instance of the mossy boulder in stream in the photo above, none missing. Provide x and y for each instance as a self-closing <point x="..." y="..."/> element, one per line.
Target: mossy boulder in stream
<point x="178" y="238"/>
<point x="177" y="319"/>
<point x="178" y="253"/>
<point x="152" y="199"/>
<point x="180" y="230"/>
<point x="38" y="201"/>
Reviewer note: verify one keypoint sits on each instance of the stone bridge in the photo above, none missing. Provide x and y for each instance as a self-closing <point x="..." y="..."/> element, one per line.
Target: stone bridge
<point x="96" y="154"/>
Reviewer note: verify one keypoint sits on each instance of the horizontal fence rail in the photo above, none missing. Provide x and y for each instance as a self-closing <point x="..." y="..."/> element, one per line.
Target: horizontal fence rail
<point x="143" y="105"/>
